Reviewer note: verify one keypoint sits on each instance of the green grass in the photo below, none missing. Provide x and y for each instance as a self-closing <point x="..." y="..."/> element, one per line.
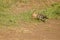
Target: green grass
<point x="7" y="3"/>
<point x="8" y="18"/>
<point x="52" y="12"/>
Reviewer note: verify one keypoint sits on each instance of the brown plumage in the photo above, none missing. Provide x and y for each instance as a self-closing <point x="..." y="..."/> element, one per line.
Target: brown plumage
<point x="34" y="15"/>
<point x="41" y="17"/>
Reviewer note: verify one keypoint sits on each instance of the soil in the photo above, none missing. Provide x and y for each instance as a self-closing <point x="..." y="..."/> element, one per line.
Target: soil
<point x="31" y="31"/>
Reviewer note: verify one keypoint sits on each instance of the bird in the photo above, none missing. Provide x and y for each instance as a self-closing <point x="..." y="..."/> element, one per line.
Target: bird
<point x="40" y="16"/>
